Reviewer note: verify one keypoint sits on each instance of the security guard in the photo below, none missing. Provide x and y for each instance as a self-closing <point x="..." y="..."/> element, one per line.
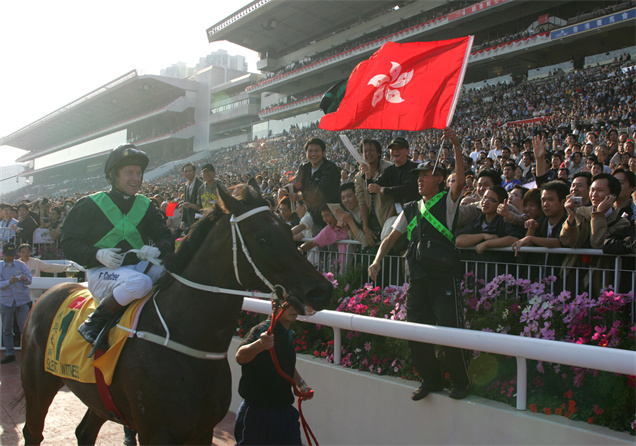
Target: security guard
<point x="101" y="228"/>
<point x="434" y="266"/>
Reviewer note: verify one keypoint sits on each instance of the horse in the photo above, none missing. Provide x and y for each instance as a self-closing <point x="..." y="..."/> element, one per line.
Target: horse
<point x="167" y="396"/>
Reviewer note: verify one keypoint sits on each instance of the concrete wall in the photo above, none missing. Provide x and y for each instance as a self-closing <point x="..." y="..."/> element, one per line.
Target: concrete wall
<point x="353" y="408"/>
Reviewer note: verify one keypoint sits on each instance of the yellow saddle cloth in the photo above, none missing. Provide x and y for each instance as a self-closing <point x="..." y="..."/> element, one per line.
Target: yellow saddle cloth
<point x="67" y="351"/>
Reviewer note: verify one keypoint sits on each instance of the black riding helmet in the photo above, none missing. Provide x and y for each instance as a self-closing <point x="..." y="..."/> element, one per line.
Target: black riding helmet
<point x="125" y="155"/>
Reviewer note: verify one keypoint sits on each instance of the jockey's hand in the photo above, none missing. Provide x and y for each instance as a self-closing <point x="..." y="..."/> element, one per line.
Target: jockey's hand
<point x="148" y="252"/>
<point x="110" y="258"/>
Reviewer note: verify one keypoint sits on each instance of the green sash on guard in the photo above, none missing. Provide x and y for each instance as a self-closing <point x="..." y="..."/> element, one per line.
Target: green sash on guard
<point x="431" y="219"/>
<point x="125" y="226"/>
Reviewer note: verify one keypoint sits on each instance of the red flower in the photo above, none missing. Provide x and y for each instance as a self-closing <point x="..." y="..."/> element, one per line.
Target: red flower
<point x="547" y="410"/>
<point x="568" y="394"/>
<point x="533" y="407"/>
<point x="590" y="420"/>
<point x="558" y="411"/>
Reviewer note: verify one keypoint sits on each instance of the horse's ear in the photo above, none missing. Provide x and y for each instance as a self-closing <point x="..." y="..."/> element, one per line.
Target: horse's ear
<point x="228" y="202"/>
<point x="257" y="191"/>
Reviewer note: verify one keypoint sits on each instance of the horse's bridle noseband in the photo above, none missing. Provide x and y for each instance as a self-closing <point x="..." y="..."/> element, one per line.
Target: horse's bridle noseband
<point x="237" y="231"/>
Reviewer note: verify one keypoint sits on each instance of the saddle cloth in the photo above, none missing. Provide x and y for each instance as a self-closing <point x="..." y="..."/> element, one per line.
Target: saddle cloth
<point x="67" y="351"/>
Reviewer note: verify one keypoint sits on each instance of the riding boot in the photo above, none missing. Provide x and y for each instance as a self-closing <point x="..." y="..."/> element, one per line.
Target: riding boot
<point x="96" y="321"/>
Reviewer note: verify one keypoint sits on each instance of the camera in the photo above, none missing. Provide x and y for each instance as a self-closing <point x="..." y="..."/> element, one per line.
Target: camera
<point x="577" y="200"/>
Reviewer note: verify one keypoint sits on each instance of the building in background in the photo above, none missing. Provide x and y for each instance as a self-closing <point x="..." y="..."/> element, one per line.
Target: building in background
<point x="305" y="48"/>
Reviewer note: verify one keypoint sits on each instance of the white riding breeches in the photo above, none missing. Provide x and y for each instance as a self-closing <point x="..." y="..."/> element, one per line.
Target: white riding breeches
<point x="126" y="283"/>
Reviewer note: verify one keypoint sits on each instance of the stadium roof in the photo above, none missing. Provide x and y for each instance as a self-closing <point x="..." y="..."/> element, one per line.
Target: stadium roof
<point x="120" y="100"/>
<point x="266" y="26"/>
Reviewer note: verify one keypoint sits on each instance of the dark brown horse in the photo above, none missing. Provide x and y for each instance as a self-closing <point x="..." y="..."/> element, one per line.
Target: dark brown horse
<point x="167" y="396"/>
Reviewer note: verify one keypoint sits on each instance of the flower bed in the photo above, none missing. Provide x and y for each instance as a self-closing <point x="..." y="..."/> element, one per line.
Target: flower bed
<point x="510" y="306"/>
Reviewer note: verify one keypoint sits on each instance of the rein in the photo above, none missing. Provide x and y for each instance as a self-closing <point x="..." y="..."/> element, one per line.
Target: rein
<point x="278" y="291"/>
<point x="309" y="435"/>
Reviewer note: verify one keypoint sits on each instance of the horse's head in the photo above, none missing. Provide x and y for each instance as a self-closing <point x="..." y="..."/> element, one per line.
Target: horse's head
<point x="268" y="243"/>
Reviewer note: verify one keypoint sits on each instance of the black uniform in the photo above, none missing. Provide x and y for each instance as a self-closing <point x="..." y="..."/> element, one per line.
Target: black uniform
<point x="432" y="297"/>
<point x="86" y="224"/>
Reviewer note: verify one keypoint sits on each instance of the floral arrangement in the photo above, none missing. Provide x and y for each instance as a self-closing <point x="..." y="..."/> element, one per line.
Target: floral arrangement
<point x="505" y="305"/>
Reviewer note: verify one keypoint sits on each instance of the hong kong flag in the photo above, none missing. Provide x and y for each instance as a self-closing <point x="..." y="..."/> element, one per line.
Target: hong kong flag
<point x="409" y="86"/>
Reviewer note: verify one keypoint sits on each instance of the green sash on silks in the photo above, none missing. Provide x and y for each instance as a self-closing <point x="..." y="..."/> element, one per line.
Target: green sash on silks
<point x="425" y="213"/>
<point x="124" y="226"/>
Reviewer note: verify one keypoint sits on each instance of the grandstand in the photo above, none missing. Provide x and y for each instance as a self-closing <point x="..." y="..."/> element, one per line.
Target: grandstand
<point x="304" y="48"/>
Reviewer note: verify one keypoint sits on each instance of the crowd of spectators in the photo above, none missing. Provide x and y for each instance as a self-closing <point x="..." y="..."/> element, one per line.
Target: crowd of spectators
<point x="481" y="41"/>
<point x="584" y="120"/>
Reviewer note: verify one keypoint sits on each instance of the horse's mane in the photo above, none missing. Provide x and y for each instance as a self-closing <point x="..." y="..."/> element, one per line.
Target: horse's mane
<point x="247" y="196"/>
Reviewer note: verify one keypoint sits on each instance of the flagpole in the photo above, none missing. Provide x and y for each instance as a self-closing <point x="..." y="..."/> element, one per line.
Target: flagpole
<point x="439" y="152"/>
<point x="460" y="81"/>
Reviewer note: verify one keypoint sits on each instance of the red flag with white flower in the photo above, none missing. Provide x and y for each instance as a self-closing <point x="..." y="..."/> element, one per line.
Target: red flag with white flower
<point x="404" y="86"/>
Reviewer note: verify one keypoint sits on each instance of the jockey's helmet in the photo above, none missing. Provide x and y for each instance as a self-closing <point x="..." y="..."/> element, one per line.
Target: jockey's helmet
<point x="125" y="155"/>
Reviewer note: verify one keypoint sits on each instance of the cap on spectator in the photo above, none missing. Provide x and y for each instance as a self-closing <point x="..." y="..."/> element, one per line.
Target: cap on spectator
<point x="399" y="141"/>
<point x="8" y="249"/>
<point x="429" y="165"/>
<point x="208" y="166"/>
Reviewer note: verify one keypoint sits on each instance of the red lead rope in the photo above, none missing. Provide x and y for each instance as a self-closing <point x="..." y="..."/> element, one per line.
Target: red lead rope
<point x="309" y="435"/>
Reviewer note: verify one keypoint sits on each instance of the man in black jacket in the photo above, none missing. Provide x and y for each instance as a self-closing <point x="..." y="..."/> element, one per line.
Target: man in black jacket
<point x="396" y="180"/>
<point x="102" y="228"/>
<point x="190" y="195"/>
<point x="26" y="225"/>
<point x="318" y="180"/>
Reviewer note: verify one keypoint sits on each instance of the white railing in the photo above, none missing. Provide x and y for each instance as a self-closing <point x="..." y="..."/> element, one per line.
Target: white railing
<point x="578" y="355"/>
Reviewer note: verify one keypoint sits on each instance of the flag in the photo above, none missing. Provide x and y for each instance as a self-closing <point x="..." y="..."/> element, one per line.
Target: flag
<point x="170" y="209"/>
<point x="409" y="86"/>
<point x="333" y="97"/>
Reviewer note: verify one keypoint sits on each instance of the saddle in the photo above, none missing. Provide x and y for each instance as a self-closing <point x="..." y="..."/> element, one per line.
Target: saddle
<point x="67" y="351"/>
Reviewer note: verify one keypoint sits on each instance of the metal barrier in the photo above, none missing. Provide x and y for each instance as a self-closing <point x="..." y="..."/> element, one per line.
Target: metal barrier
<point x="574" y="278"/>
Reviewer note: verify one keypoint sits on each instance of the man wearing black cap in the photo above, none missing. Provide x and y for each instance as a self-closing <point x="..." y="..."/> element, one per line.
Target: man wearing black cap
<point x="100" y="231"/>
<point x="434" y="268"/>
<point x="209" y="190"/>
<point x="395" y="181"/>
<point x="15" y="277"/>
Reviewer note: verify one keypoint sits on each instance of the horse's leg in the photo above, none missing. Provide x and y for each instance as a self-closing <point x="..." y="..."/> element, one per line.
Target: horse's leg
<point x="40" y="389"/>
<point x="88" y="429"/>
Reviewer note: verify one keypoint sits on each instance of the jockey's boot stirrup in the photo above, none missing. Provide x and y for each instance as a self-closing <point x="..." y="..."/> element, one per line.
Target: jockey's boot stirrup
<point x="93" y="325"/>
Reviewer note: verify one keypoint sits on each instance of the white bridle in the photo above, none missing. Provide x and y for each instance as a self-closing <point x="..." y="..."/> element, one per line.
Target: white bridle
<point x="237" y="231"/>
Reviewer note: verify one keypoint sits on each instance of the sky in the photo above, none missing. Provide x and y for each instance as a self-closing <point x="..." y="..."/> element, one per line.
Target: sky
<point x="55" y="51"/>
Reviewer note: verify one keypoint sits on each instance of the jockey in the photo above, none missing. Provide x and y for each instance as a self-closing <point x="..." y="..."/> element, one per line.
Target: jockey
<point x="101" y="228"/>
